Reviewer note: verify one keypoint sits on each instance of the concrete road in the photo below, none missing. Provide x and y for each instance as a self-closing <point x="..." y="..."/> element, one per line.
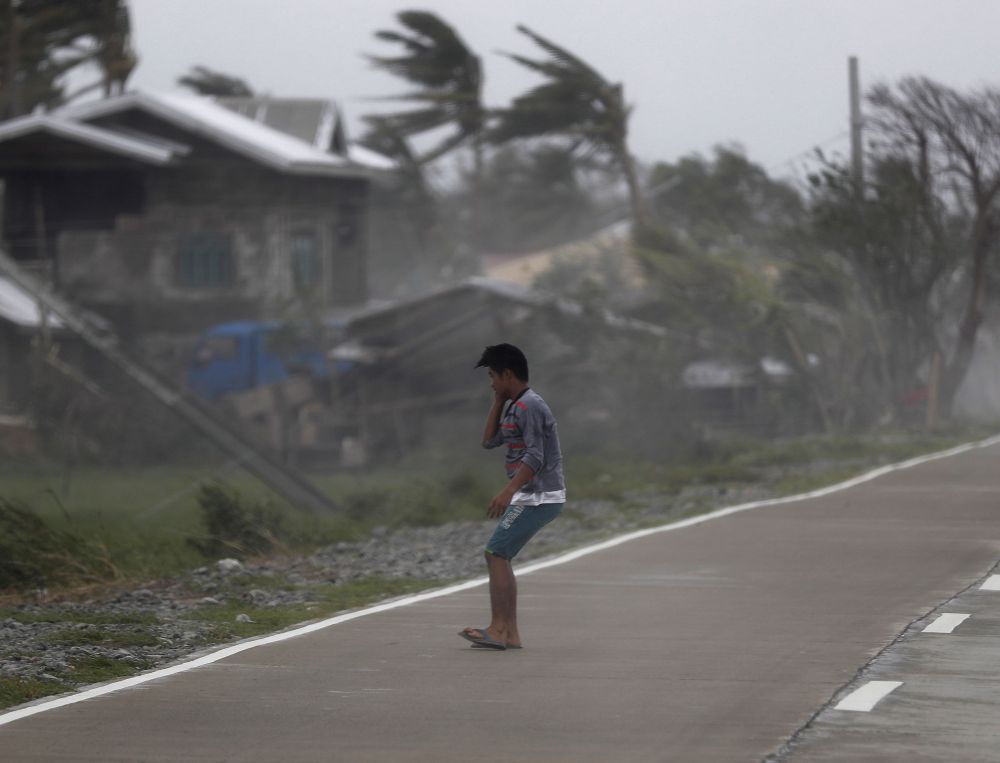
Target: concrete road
<point x="947" y="703"/>
<point x="716" y="642"/>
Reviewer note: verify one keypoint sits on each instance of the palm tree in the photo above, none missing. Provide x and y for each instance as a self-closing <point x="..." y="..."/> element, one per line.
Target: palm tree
<point x="577" y="101"/>
<point x="450" y="78"/>
<point x="115" y="56"/>
<point x="43" y="41"/>
<point x="207" y="81"/>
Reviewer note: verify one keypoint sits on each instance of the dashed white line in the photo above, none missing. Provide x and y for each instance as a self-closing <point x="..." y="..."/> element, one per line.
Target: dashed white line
<point x="864" y="699"/>
<point x="946" y="623"/>
<point x="992" y="583"/>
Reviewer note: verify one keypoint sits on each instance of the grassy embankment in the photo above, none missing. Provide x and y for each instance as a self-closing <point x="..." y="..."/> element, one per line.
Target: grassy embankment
<point x="127" y="528"/>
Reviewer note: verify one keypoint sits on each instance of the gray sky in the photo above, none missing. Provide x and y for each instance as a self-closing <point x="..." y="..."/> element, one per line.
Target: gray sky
<point x="769" y="74"/>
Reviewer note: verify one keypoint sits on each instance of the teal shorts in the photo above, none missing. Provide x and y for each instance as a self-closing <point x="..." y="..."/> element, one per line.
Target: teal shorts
<point x="517" y="526"/>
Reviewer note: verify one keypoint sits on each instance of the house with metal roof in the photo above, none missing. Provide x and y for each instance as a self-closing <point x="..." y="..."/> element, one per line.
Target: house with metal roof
<point x="316" y="121"/>
<point x="167" y="212"/>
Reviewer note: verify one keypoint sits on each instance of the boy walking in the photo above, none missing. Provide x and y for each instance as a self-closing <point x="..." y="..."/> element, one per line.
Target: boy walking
<point x="535" y="491"/>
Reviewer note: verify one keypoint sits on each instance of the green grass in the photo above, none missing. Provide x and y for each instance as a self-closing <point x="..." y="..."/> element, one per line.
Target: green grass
<point x="142" y="519"/>
<point x="71" y="616"/>
<point x="92" y="670"/>
<point x="17" y="691"/>
<point x="326" y="600"/>
<point x="118" y="639"/>
<point x="793" y="484"/>
<point x="872" y="448"/>
<point x="112" y="505"/>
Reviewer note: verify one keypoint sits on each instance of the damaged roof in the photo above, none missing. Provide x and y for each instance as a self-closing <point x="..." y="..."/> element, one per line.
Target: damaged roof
<point x="510" y="292"/>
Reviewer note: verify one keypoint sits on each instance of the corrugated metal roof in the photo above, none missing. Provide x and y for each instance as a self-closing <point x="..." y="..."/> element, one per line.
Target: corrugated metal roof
<point x="309" y="119"/>
<point x="368" y="158"/>
<point x="204" y="117"/>
<point x="300" y="117"/>
<point x="511" y="292"/>
<point x="96" y="137"/>
<point x="246" y="135"/>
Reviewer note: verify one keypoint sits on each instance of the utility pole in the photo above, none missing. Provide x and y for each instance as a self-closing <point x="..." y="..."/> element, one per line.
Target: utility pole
<point x="857" y="155"/>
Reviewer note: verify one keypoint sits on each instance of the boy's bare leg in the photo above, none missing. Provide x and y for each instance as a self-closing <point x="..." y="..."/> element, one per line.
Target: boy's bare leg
<point x="503" y="601"/>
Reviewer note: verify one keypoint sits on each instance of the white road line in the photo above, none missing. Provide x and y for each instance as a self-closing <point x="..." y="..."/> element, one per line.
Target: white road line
<point x="43" y="705"/>
<point x="946" y="623"/>
<point x="992" y="583"/>
<point x="864" y="699"/>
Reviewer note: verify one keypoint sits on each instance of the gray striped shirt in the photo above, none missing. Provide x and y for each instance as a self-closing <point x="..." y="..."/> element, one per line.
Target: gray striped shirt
<point x="529" y="430"/>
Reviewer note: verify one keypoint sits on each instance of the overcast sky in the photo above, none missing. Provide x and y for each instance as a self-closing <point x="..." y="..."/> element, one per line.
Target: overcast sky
<point x="768" y="74"/>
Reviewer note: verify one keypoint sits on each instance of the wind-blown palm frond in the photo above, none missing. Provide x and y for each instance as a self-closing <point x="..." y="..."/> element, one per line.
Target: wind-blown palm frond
<point x="418" y="120"/>
<point x="575" y="100"/>
<point x="560" y="54"/>
<point x="46" y="40"/>
<point x="437" y="59"/>
<point x="207" y="81"/>
<point x="436" y="56"/>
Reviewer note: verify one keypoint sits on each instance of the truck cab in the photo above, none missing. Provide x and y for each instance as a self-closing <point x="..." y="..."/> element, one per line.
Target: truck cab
<point x="239" y="356"/>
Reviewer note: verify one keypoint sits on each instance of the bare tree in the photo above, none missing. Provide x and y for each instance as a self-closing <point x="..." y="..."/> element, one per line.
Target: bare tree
<point x="952" y="139"/>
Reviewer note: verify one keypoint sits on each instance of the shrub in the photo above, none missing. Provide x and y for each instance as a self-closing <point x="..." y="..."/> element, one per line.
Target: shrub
<point x="236" y="528"/>
<point x="34" y="554"/>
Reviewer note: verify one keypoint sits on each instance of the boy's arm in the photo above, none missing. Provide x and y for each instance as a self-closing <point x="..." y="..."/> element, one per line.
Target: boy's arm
<point x="532" y="460"/>
<point x="501" y="500"/>
<point x="492" y="428"/>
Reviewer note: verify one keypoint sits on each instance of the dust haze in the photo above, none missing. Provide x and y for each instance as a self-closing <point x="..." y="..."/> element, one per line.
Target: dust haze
<point x="270" y="241"/>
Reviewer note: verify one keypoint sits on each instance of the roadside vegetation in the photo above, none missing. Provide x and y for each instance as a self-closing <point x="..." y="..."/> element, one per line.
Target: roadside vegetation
<point x="57" y="540"/>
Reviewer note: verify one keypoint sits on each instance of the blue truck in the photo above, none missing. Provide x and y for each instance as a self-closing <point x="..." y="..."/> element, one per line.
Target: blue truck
<point x="243" y="355"/>
<point x="278" y="382"/>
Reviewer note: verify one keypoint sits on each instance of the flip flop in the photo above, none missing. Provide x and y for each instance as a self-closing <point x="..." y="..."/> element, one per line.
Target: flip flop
<point x="483" y="641"/>
<point x="509" y="646"/>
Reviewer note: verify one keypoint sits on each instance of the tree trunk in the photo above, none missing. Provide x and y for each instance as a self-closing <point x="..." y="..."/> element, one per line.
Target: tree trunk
<point x="956" y="370"/>
<point x="636" y="201"/>
<point x="961" y="360"/>
<point x="811" y="382"/>
<point x="477" y="195"/>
